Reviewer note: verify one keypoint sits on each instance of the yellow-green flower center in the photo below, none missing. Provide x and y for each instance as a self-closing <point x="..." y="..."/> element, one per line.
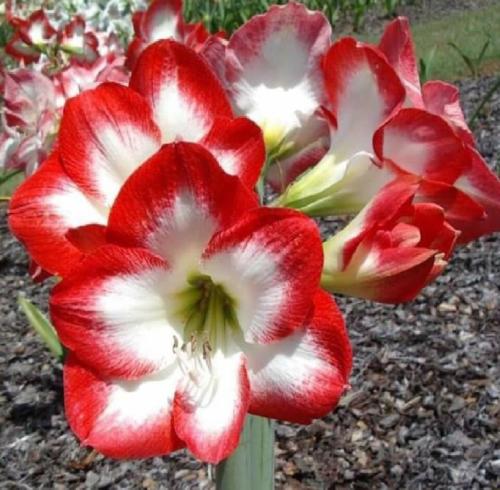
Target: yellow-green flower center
<point x="207" y="311"/>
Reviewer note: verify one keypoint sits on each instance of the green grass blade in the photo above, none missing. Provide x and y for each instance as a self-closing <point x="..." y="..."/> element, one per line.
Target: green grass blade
<point x="467" y="60"/>
<point x="42" y="326"/>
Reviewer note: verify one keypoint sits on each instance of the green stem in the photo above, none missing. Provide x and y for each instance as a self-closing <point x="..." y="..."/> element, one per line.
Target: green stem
<point x="251" y="466"/>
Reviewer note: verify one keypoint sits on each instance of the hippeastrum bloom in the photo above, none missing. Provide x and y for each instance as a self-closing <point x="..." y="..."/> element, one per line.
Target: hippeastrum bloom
<point x="272" y="70"/>
<point x="31" y="36"/>
<point x="391" y="249"/>
<point x="199" y="308"/>
<point x="33" y="106"/>
<point x="452" y="174"/>
<point x="476" y="181"/>
<point x="163" y="20"/>
<point x="374" y="139"/>
<point x="74" y="40"/>
<point x="28" y="129"/>
<point x="107" y="133"/>
<point x="363" y="92"/>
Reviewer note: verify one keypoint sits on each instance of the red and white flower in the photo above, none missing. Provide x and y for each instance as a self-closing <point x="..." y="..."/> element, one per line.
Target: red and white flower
<point x="107" y="133"/>
<point x="392" y="249"/>
<point x="28" y="119"/>
<point x="452" y="174"/>
<point x="163" y="20"/>
<point x="476" y="181"/>
<point x="272" y="70"/>
<point x="363" y="92"/>
<point x="82" y="45"/>
<point x="199" y="308"/>
<point x="31" y="37"/>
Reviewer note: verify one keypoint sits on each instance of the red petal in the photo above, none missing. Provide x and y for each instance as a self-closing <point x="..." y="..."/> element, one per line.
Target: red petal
<point x="238" y="146"/>
<point x="482" y="185"/>
<point x="121" y="419"/>
<point x="176" y="201"/>
<point x="210" y="422"/>
<point x="363" y="90"/>
<point x="105" y="134"/>
<point x="43" y="209"/>
<point x="397" y="45"/>
<point x="87" y="238"/>
<point x="18" y="49"/>
<point x="443" y="99"/>
<point x="110" y="312"/>
<point x="302" y="377"/>
<point x="270" y="262"/>
<point x="182" y="90"/>
<point x="422" y="144"/>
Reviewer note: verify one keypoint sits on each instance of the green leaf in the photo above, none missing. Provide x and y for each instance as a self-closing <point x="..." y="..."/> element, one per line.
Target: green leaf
<point x="42" y="326"/>
<point x="8" y="175"/>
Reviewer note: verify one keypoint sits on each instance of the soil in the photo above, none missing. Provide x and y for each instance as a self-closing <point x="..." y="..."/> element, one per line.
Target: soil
<point x="423" y="411"/>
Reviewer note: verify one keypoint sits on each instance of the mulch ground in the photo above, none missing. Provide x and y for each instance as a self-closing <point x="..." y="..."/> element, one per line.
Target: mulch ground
<point x="423" y="411"/>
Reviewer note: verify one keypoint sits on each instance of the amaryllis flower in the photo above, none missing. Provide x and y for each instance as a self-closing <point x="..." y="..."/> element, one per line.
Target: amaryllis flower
<point x="34" y="102"/>
<point x="452" y="174"/>
<point x="77" y="77"/>
<point x="373" y="139"/>
<point x="163" y="20"/>
<point x="200" y="308"/>
<point x="107" y="133"/>
<point x="443" y="99"/>
<point x="392" y="249"/>
<point x="272" y="69"/>
<point x="75" y="40"/>
<point x="363" y="92"/>
<point x="31" y="36"/>
<point x="28" y="119"/>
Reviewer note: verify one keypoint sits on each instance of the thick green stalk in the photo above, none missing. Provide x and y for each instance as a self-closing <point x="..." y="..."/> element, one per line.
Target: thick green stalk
<point x="251" y="466"/>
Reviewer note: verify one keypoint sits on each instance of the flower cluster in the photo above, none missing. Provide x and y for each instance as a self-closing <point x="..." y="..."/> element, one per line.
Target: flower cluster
<point x="184" y="303"/>
<point x="56" y="64"/>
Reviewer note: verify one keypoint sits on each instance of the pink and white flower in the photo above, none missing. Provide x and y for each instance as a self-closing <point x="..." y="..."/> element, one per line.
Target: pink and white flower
<point x="27" y="119"/>
<point x="198" y="310"/>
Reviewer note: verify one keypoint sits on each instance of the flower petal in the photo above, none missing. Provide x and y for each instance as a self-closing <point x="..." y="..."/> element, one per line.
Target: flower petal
<point x="363" y="92"/>
<point x="111" y="311"/>
<point x="482" y="185"/>
<point x="270" y="263"/>
<point x="44" y="208"/>
<point x="162" y="20"/>
<point x="175" y="202"/>
<point x="121" y="419"/>
<point x="284" y="172"/>
<point x="238" y="146"/>
<point x="397" y="45"/>
<point x="302" y="376"/>
<point x="209" y="417"/>
<point x="106" y="133"/>
<point x="423" y="144"/>
<point x="443" y="99"/>
<point x="181" y="89"/>
<point x="273" y="68"/>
